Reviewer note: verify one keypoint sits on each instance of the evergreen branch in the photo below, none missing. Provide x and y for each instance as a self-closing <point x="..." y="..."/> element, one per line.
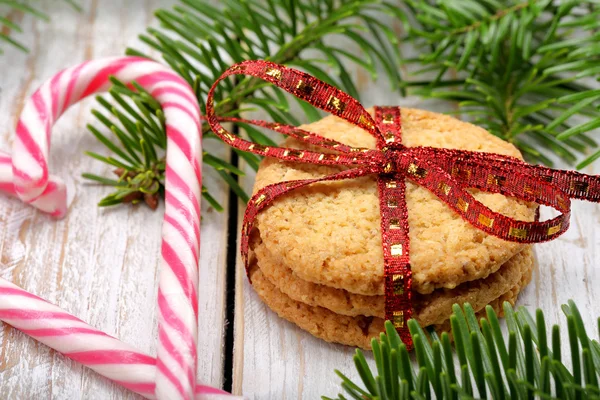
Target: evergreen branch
<point x="8" y="27"/>
<point x="525" y="363"/>
<point x="522" y="68"/>
<point x="200" y="40"/>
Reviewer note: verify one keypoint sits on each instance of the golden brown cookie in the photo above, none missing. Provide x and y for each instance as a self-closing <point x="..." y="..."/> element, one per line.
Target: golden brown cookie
<point x="429" y="309"/>
<point x="329" y="233"/>
<point x="510" y="296"/>
<point x="352" y="331"/>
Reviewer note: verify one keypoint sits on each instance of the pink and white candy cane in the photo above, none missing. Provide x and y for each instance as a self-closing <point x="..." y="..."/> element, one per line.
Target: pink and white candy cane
<point x="175" y="367"/>
<point x="52" y="201"/>
<point x="67" y="334"/>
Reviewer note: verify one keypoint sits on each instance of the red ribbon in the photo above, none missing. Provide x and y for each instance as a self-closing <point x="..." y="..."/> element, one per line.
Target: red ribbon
<point x="447" y="173"/>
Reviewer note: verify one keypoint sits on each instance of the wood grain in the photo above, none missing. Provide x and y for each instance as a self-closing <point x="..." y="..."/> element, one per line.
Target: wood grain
<point x="100" y="264"/>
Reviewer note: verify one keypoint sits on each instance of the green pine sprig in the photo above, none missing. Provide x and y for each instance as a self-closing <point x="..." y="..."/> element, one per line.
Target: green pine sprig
<point x="139" y="148"/>
<point x="9" y="28"/>
<point x="482" y="362"/>
<point x="200" y="40"/>
<point x="523" y="69"/>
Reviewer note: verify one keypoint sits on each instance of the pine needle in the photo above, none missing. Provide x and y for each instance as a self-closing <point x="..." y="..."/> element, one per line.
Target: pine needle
<point x="543" y="374"/>
<point x="9" y="28"/>
<point x="517" y="62"/>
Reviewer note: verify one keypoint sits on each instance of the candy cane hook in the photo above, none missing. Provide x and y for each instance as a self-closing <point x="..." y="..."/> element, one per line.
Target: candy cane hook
<point x="30" y="180"/>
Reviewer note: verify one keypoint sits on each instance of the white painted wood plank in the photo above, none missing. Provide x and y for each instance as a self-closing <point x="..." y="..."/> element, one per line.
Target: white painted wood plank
<point x="275" y="359"/>
<point x="100" y="264"/>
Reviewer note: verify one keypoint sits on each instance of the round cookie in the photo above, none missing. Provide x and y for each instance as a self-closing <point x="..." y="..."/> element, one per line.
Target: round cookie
<point x="429" y="309"/>
<point x="329" y="233"/>
<point x="353" y="331"/>
<point x="510" y="296"/>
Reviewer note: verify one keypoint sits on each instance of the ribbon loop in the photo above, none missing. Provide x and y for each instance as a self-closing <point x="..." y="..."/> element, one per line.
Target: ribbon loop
<point x="305" y="87"/>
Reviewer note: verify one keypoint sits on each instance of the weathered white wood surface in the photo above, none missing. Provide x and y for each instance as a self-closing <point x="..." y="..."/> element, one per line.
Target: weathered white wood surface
<point x="100" y="264"/>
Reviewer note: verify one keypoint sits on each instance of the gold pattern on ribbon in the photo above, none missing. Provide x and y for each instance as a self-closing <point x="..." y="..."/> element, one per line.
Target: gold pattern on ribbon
<point x="303" y="88"/>
<point x="394" y="223"/>
<point x="444" y="188"/>
<point x="396" y="249"/>
<point x="461" y="173"/>
<point x="462" y="205"/>
<point x="561" y="202"/>
<point x="260" y="147"/>
<point x="417" y="171"/>
<point x="398" y="319"/>
<point x="392" y="203"/>
<point x="553" y="229"/>
<point x="335" y="102"/>
<point x="362" y="120"/>
<point x="294" y="153"/>
<point x="227" y="135"/>
<point x="391" y="184"/>
<point x="485" y="220"/>
<point x="329" y="157"/>
<point x="273" y="72"/>
<point x="579" y="186"/>
<point x="519" y="233"/>
<point x="547" y="178"/>
<point x="398" y="283"/>
<point x="530" y="190"/>
<point x="260" y="199"/>
<point x="497" y="180"/>
<point x="388" y="118"/>
<point x="389" y="137"/>
<point x="359" y="149"/>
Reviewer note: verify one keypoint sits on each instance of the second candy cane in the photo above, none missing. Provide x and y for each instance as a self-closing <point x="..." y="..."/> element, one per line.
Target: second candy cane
<point x="178" y="305"/>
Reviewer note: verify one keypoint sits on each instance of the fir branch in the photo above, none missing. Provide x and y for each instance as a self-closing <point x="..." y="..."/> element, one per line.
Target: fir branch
<point x="200" y="40"/>
<point x="519" y="68"/>
<point x="526" y="362"/>
<point x="523" y="66"/>
<point x="9" y="27"/>
<point x="140" y="148"/>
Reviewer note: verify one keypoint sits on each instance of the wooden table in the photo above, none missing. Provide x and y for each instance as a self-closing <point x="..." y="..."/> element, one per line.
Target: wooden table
<point x="102" y="264"/>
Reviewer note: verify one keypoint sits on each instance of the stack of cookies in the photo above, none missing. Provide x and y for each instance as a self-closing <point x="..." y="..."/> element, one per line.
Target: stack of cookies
<point x="316" y="253"/>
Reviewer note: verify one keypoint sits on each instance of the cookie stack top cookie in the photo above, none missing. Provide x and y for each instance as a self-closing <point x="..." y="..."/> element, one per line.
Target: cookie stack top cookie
<point x="329" y="233"/>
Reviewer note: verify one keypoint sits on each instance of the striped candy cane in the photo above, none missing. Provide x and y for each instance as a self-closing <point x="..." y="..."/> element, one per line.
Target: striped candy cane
<point x="67" y="334"/>
<point x="53" y="199"/>
<point x="6" y="180"/>
<point x="177" y="298"/>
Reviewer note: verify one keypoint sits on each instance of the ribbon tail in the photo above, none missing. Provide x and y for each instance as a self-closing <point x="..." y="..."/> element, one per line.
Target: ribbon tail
<point x="451" y="187"/>
<point x="574" y="184"/>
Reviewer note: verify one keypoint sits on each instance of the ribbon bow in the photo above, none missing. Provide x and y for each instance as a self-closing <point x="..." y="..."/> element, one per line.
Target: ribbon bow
<point x="447" y="173"/>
